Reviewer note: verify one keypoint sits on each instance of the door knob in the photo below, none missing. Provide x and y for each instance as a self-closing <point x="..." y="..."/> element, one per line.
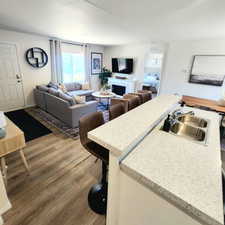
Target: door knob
<point x="19" y="81"/>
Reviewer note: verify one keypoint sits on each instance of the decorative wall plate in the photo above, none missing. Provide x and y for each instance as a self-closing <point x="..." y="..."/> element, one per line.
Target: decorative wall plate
<point x="36" y="57"/>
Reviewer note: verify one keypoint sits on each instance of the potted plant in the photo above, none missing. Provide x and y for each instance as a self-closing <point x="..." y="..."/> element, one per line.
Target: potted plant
<point x="103" y="76"/>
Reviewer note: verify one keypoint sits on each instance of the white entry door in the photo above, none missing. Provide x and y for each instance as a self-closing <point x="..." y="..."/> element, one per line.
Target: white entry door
<point x="11" y="83"/>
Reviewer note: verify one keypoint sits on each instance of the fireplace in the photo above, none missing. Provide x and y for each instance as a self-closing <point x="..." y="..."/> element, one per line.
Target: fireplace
<point x="119" y="90"/>
<point x="122" y="86"/>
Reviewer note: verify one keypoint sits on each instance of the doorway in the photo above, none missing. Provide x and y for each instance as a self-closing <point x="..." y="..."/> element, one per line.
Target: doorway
<point x="152" y="72"/>
<point x="11" y="83"/>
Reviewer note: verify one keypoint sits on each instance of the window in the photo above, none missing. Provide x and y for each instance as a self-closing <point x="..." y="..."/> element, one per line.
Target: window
<point x="73" y="63"/>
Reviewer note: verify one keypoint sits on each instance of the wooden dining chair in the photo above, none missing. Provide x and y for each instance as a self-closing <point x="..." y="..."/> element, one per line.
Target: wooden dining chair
<point x="133" y="101"/>
<point x="116" y="110"/>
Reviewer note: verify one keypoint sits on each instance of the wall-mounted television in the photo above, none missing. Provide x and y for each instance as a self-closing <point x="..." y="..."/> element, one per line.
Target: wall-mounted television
<point x="122" y="65"/>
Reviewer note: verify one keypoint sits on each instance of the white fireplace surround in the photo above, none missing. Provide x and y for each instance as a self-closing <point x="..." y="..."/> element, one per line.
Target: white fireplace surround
<point x="129" y="84"/>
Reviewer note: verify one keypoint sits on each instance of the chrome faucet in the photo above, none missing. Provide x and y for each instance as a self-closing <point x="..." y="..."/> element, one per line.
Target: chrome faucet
<point x="173" y="118"/>
<point x="178" y="113"/>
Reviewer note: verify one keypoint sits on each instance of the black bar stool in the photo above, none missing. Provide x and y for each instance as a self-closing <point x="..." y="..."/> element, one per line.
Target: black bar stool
<point x="97" y="197"/>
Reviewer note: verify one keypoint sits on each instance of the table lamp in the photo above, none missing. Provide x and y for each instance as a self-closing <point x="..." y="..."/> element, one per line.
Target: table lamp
<point x="2" y="125"/>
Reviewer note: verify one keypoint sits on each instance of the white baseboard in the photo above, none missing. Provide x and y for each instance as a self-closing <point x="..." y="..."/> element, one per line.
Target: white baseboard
<point x="24" y="107"/>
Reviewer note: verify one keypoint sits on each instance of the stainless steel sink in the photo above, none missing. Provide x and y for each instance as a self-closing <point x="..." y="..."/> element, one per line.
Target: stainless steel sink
<point x="187" y="131"/>
<point x="193" y="121"/>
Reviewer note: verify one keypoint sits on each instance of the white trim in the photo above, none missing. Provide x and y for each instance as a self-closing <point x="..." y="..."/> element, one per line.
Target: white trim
<point x="24" y="107"/>
<point x="6" y="207"/>
<point x="1" y="220"/>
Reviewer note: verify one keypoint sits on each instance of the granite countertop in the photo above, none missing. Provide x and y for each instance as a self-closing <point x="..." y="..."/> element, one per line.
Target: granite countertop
<point x="186" y="173"/>
<point x="123" y="133"/>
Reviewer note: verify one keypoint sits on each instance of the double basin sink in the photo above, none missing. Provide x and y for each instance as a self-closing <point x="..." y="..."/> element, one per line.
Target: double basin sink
<point x="191" y="127"/>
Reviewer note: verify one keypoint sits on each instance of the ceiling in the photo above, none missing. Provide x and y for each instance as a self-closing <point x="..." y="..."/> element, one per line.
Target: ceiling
<point x="114" y="22"/>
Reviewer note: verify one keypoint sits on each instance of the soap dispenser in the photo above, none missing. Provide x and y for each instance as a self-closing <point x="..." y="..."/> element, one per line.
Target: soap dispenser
<point x="182" y="103"/>
<point x="167" y="124"/>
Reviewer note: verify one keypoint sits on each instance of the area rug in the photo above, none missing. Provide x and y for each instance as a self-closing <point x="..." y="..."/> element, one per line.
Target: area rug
<point x="31" y="127"/>
<point x="61" y="126"/>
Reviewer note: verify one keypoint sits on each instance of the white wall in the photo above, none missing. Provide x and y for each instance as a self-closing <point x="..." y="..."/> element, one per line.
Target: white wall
<point x="95" y="84"/>
<point x="138" y="52"/>
<point x="31" y="76"/>
<point x="178" y="64"/>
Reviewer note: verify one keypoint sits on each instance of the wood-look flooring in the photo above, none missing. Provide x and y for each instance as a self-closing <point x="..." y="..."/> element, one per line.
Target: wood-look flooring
<point x="55" y="192"/>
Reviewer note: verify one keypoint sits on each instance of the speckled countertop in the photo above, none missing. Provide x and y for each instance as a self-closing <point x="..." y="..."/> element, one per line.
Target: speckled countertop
<point x="123" y="133"/>
<point x="186" y="173"/>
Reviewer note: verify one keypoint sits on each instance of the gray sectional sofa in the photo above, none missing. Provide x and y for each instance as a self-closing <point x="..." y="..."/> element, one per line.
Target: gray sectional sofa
<point x="62" y="105"/>
<point x="76" y="89"/>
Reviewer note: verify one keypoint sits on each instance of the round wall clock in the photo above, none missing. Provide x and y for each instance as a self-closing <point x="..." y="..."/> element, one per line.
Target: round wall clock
<point x="36" y="57"/>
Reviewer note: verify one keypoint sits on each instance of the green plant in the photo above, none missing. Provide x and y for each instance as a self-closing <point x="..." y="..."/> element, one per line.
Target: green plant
<point x="104" y="75"/>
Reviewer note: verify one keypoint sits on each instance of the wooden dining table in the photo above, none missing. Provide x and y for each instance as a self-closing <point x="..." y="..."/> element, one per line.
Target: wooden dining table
<point x="201" y="102"/>
<point x="12" y="142"/>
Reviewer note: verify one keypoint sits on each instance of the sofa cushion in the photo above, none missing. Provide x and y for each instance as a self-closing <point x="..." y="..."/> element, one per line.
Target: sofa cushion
<point x="73" y="86"/>
<point x="53" y="91"/>
<point x="67" y="98"/>
<point x="81" y="92"/>
<point x="42" y="88"/>
<point x="77" y="86"/>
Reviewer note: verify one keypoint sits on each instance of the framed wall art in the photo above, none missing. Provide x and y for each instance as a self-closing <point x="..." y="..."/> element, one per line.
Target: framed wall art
<point x="208" y="69"/>
<point x="96" y="63"/>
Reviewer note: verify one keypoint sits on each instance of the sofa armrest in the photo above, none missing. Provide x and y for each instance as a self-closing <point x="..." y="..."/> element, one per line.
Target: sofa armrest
<point x="79" y="110"/>
<point x="86" y="104"/>
<point x="39" y="97"/>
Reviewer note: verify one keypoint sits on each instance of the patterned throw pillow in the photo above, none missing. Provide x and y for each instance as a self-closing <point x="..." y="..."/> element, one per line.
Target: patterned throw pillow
<point x="62" y="87"/>
<point x="79" y="99"/>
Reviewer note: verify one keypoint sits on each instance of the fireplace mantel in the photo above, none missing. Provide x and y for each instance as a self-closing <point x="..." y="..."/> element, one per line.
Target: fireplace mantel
<point x="129" y="84"/>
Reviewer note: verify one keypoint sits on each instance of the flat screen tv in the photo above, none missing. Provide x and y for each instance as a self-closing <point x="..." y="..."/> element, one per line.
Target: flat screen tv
<point x="122" y="65"/>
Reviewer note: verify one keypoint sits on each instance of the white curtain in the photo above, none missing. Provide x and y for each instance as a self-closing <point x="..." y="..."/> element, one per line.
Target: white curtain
<point x="4" y="202"/>
<point x="87" y="63"/>
<point x="56" y="61"/>
<point x="75" y="63"/>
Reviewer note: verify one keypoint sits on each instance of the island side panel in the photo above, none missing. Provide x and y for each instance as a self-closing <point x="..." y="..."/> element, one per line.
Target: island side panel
<point x="139" y="205"/>
<point x="113" y="190"/>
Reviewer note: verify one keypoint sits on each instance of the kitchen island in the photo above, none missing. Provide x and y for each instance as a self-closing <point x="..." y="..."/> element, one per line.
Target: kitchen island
<point x="156" y="177"/>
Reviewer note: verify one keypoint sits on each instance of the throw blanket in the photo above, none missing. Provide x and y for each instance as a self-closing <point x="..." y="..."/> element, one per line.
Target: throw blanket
<point x="4" y="202"/>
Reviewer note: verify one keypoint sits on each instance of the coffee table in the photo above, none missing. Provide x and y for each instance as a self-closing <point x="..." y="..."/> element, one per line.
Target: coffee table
<point x="101" y="96"/>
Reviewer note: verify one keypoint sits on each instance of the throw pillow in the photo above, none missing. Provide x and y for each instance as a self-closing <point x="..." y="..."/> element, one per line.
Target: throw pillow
<point x="69" y="86"/>
<point x="79" y="99"/>
<point x="77" y="86"/>
<point x="53" y="85"/>
<point x="67" y="98"/>
<point x="85" y="86"/>
<point x="62" y="87"/>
